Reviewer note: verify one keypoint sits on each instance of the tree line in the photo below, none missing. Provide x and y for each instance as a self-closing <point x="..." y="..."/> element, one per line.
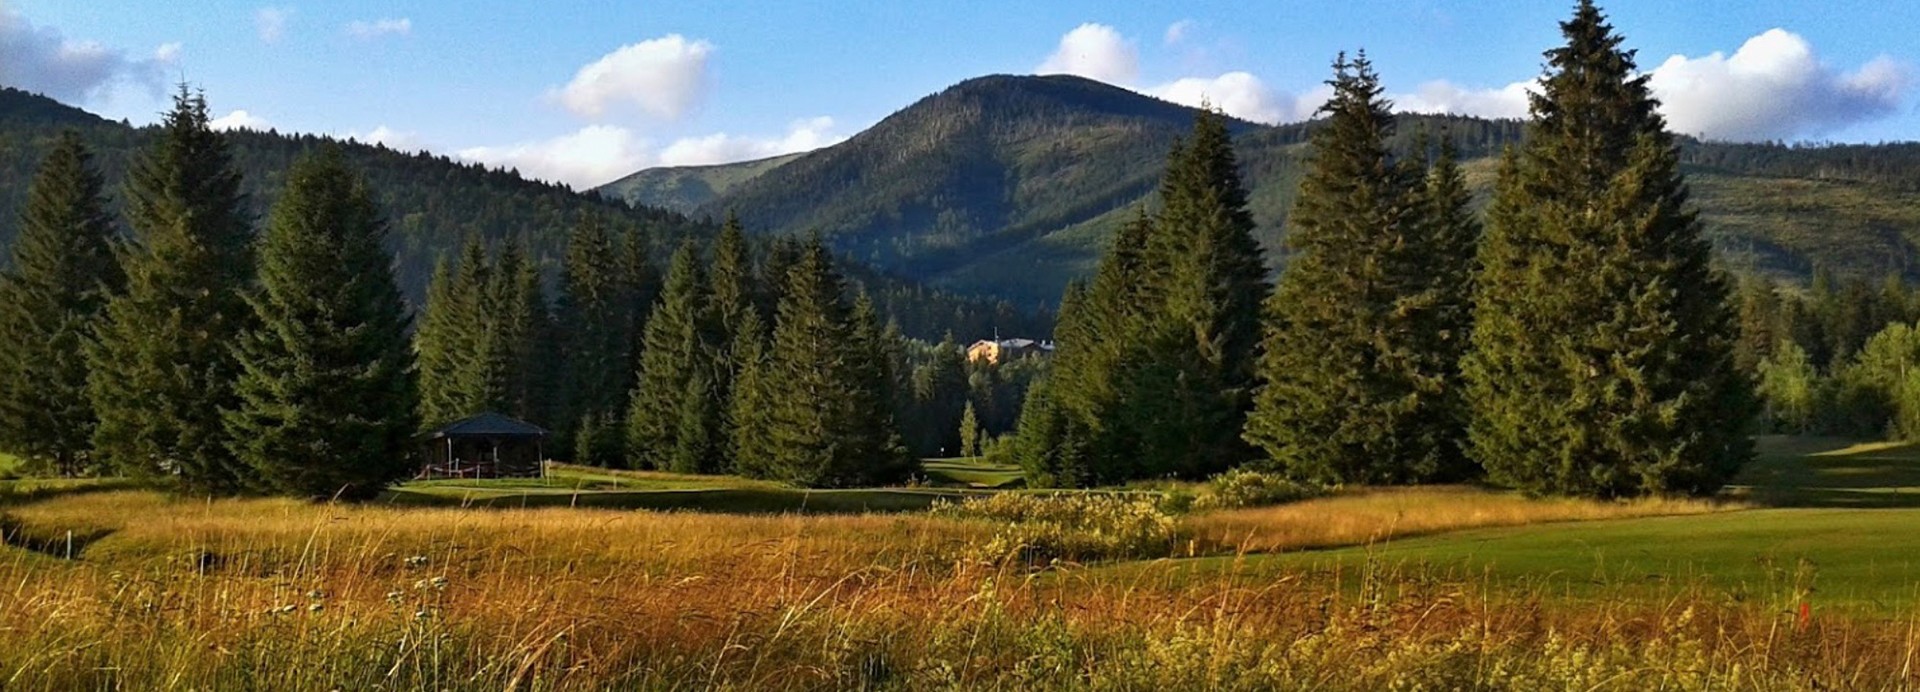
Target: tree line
<point x="1577" y="342"/>
<point x="196" y="354"/>
<point x="1835" y="358"/>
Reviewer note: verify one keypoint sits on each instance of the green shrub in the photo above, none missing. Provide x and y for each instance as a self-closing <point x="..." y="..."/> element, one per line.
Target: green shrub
<point x="1041" y="529"/>
<point x="1243" y="488"/>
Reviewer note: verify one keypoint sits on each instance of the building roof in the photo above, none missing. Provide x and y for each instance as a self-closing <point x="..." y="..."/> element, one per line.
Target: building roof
<point x="487" y="425"/>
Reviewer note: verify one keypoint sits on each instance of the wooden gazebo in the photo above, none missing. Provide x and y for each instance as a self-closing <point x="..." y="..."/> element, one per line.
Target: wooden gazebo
<point x="489" y="445"/>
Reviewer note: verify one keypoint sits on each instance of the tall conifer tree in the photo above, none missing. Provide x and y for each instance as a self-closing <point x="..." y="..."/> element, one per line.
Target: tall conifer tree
<point x="1190" y="392"/>
<point x="1359" y="368"/>
<point x="1603" y="360"/>
<point x="822" y="389"/>
<point x="326" y="391"/>
<point x="62" y="273"/>
<point x="678" y="348"/>
<point x="164" y="368"/>
<point x="595" y="321"/>
<point x="451" y="344"/>
<point x="520" y="365"/>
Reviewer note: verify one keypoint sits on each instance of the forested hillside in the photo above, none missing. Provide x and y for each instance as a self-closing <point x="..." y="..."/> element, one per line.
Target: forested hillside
<point x="1010" y="186"/>
<point x="433" y="203"/>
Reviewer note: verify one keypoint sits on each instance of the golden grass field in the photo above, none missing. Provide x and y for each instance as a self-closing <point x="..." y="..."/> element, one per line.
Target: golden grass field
<point x="278" y="594"/>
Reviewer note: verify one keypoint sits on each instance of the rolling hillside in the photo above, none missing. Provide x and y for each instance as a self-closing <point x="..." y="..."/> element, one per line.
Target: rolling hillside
<point x="433" y="203"/>
<point x="1008" y="186"/>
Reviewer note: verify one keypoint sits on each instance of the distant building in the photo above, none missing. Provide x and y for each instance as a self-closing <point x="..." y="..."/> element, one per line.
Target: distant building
<point x="1003" y="350"/>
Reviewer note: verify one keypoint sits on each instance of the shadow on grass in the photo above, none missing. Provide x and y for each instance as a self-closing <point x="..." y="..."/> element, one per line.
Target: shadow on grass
<point x="16" y="492"/>
<point x="715" y="500"/>
<point x="1832" y="473"/>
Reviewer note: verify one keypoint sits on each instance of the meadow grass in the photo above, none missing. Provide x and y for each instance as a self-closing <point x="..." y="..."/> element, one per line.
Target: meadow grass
<point x="1433" y="588"/>
<point x="277" y="593"/>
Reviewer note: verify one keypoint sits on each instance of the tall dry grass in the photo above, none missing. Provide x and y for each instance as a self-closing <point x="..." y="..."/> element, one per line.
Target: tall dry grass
<point x="271" y="594"/>
<point x="1369" y="516"/>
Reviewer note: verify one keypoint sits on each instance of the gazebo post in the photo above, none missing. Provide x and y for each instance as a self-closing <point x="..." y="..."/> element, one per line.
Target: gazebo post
<point x="450" y="462"/>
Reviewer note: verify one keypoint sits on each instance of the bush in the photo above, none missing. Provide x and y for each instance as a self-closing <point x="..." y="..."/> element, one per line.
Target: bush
<point x="1041" y="529"/>
<point x="1243" y="488"/>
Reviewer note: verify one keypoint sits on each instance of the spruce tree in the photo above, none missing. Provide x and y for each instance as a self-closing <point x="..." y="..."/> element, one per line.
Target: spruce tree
<point x="519" y="364"/>
<point x="451" y="345"/>
<point x="326" y="390"/>
<point x="62" y="273"/>
<point x="822" y="389"/>
<point x="1603" y="344"/>
<point x="1189" y="393"/>
<point x="883" y="351"/>
<point x="163" y="367"/>
<point x="1360" y="366"/>
<point x="595" y="321"/>
<point x="747" y="419"/>
<point x="732" y="301"/>
<point x="678" y="348"/>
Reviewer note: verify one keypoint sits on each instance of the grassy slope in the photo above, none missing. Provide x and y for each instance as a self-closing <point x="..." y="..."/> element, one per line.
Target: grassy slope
<point x="1843" y="525"/>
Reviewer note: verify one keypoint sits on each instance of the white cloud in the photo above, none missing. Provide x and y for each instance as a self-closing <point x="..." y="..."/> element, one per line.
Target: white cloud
<point x="663" y="78"/>
<point x="592" y="156"/>
<point x="41" y="59"/>
<point x="1177" y="32"/>
<point x="1442" y="96"/>
<point x="1241" y="95"/>
<point x="598" y="154"/>
<point x="1094" y="51"/>
<point x="168" y="53"/>
<point x="1773" y="87"/>
<point x="802" y="135"/>
<point x="369" y="30"/>
<point x="240" y="120"/>
<point x="393" y="139"/>
<point x="271" y="22"/>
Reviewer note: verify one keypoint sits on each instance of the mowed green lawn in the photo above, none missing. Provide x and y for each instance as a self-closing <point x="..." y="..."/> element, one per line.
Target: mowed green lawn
<point x="1836" y="525"/>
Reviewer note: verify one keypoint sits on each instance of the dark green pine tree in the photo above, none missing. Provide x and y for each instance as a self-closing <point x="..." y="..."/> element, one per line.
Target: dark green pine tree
<point x="1049" y="443"/>
<point x="1086" y="437"/>
<point x="62" y="273"/>
<point x="747" y="415"/>
<point x="782" y="254"/>
<point x="732" y="301"/>
<point x="326" y="391"/>
<point x="1360" y="367"/>
<point x="1442" y="307"/>
<point x="164" y="367"/>
<point x="450" y="344"/>
<point x="883" y="351"/>
<point x="519" y="366"/>
<point x="595" y="322"/>
<point x="1194" y="384"/>
<point x="1603" y="343"/>
<point x="822" y="391"/>
<point x="678" y="348"/>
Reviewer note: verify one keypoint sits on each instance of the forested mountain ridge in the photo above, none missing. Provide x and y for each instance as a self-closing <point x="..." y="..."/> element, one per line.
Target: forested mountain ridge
<point x="1010" y="186"/>
<point x="434" y="202"/>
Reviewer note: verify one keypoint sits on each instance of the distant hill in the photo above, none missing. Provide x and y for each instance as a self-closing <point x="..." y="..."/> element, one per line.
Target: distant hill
<point x="433" y="203"/>
<point x="1009" y="186"/>
<point x="686" y="189"/>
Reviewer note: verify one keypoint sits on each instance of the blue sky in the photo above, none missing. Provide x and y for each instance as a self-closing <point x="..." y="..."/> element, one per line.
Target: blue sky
<point x="584" y="91"/>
